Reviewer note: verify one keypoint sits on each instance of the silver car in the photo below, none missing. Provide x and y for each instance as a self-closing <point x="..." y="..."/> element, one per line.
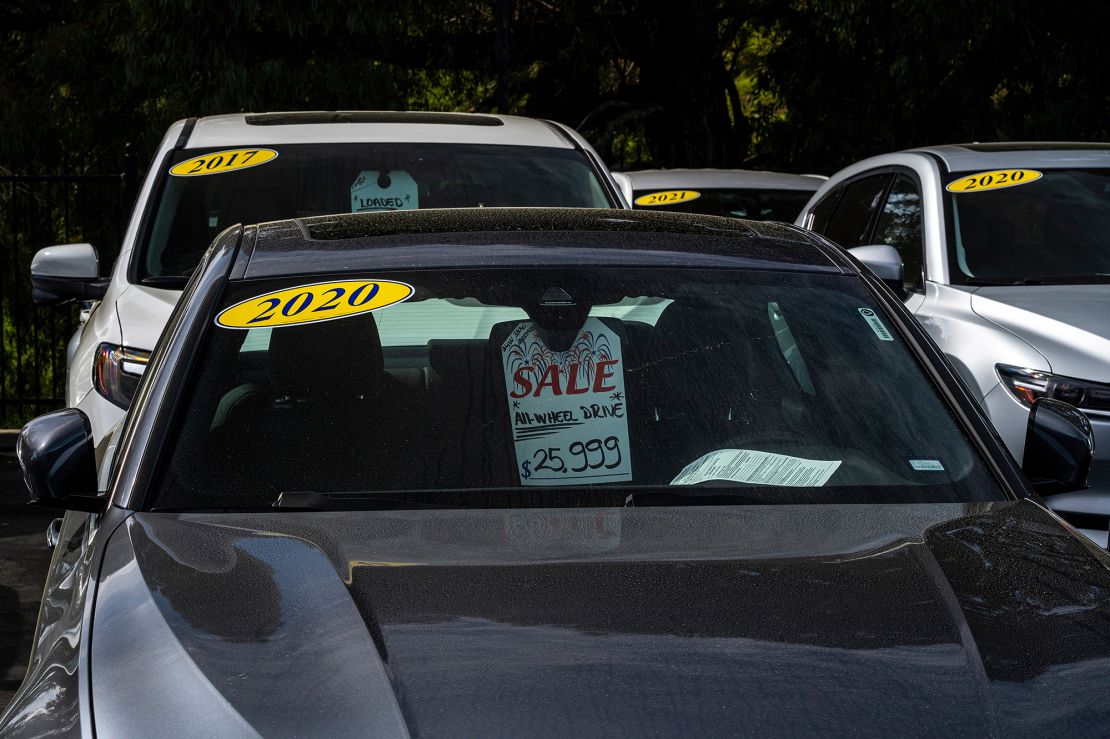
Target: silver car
<point x="1004" y="257"/>
<point x="734" y="193"/>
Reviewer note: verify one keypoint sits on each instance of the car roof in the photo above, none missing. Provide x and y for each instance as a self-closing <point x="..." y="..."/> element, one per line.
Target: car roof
<point x="654" y="179"/>
<point x="253" y="129"/>
<point x="1002" y="154"/>
<point x="527" y="237"/>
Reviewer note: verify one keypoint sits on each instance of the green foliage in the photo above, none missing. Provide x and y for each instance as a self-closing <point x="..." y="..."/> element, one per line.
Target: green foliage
<point x="809" y="84"/>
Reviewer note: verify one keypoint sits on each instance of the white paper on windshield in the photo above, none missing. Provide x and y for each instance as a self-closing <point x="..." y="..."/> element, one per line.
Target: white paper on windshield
<point x="567" y="408"/>
<point x="757" y="468"/>
<point x="399" y="192"/>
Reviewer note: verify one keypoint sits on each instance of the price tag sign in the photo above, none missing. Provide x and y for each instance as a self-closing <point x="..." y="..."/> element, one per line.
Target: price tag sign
<point x="372" y="191"/>
<point x="567" y="409"/>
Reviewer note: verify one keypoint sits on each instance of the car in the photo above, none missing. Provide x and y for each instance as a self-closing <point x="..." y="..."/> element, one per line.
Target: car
<point x="210" y="173"/>
<point x="514" y="472"/>
<point x="1002" y="264"/>
<point x="737" y="193"/>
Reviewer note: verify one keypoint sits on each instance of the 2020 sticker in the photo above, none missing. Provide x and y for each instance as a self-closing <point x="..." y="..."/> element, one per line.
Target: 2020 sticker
<point x="994" y="180"/>
<point x="218" y="162"/>
<point x="323" y="301"/>
<point x="668" y="197"/>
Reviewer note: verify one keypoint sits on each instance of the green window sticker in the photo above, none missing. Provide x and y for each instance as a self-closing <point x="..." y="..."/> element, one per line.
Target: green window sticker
<point x="876" y="324"/>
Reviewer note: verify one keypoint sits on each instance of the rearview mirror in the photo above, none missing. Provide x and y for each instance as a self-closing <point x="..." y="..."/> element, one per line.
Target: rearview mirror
<point x="66" y="272"/>
<point x="57" y="456"/>
<point x="884" y="261"/>
<point x="1059" y="447"/>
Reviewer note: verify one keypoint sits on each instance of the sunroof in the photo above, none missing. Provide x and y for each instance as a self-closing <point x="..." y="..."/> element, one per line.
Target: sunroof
<point x="373" y="116"/>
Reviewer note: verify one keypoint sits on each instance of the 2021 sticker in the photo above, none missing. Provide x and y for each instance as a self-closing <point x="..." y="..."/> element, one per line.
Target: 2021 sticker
<point x="323" y="301"/>
<point x="668" y="197"/>
<point x="219" y="162"/>
<point x="994" y="180"/>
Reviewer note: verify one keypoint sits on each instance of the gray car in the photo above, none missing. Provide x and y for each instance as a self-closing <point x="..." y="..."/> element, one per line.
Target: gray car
<point x="556" y="472"/>
<point x="1005" y="250"/>
<point x="734" y="193"/>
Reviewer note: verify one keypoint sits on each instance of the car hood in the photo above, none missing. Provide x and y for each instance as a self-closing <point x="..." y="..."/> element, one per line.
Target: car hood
<point x="143" y="312"/>
<point x="979" y="619"/>
<point x="1068" y="324"/>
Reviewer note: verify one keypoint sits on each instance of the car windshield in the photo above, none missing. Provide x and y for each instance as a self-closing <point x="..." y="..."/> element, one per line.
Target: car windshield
<point x="1052" y="226"/>
<point x="561" y="387"/>
<point x="754" y="204"/>
<point x="208" y="190"/>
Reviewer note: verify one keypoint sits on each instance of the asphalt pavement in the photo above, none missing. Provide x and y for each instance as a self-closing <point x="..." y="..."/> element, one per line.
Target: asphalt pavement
<point x="24" y="558"/>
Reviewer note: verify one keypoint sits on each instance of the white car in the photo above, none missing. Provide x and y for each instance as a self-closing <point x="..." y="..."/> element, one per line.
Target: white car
<point x="1002" y="251"/>
<point x="733" y="193"/>
<point x="212" y="173"/>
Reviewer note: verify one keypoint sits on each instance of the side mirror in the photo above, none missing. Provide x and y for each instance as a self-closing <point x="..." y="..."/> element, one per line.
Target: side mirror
<point x="66" y="272"/>
<point x="1059" y="447"/>
<point x="58" y="460"/>
<point x="884" y="260"/>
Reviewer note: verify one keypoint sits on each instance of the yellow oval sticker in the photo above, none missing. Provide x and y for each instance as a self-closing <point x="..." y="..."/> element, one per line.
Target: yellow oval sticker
<point x="669" y="197"/>
<point x="218" y="162"/>
<point x="323" y="301"/>
<point x="994" y="180"/>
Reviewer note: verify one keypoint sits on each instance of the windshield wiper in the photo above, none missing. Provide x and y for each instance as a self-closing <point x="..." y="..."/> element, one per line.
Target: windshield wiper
<point x="173" y="281"/>
<point x="1089" y="279"/>
<point x="690" y="498"/>
<point x="308" y="500"/>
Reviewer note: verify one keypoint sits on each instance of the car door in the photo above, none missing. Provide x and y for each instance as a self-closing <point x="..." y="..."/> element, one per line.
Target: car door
<point x="899" y="224"/>
<point x="879" y="208"/>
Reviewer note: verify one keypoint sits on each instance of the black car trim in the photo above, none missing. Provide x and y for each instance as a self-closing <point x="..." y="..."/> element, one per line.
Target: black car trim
<point x="941" y="164"/>
<point x="615" y="197"/>
<point x="146" y="224"/>
<point x="186" y="132"/>
<point x="144" y="433"/>
<point x="968" y="412"/>
<point x="372" y="116"/>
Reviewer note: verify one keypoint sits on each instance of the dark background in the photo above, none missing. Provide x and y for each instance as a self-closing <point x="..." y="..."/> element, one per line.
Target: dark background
<point x="805" y="85"/>
<point x="802" y="86"/>
<point x="88" y="88"/>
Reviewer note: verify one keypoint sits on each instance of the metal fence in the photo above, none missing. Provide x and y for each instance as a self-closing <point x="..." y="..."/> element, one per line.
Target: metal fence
<point x="38" y="211"/>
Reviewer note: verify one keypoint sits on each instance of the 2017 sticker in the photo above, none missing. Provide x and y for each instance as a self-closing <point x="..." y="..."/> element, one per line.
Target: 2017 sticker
<point x="668" y="197"/>
<point x="323" y="301"/>
<point x="994" y="180"/>
<point x="218" y="162"/>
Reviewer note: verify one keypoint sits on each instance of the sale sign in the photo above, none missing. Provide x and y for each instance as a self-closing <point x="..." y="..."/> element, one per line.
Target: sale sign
<point x="568" y="408"/>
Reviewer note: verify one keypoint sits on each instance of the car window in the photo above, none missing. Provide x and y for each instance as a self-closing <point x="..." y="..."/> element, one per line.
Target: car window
<point x="1043" y="226"/>
<point x="321" y="179"/>
<point x="899" y="225"/>
<point x="852" y="218"/>
<point x="561" y="387"/>
<point x="751" y="203"/>
<point x="824" y="209"/>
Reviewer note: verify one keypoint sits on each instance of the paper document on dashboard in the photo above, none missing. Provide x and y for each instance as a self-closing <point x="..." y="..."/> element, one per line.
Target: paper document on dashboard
<point x="757" y="468"/>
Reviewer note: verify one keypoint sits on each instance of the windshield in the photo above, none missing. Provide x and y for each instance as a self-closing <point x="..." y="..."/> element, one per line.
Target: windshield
<point x="208" y="190"/>
<point x="561" y="387"/>
<point x="1052" y="226"/>
<point x="756" y="205"/>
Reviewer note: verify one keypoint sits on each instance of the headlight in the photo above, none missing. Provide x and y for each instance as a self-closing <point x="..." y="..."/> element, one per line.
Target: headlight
<point x="116" y="372"/>
<point x="1027" y="385"/>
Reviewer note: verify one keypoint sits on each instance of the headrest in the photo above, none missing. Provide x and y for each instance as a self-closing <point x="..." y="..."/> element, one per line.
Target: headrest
<point x="701" y="357"/>
<point x="340" y="358"/>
